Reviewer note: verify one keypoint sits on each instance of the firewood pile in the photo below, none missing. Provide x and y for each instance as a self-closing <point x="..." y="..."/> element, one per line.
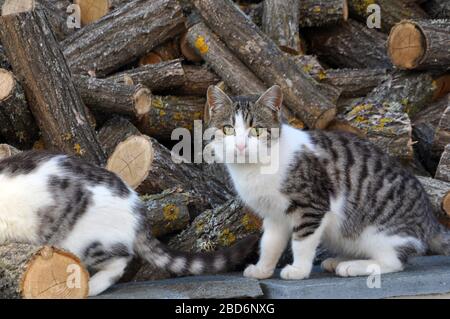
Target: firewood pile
<point x="113" y="89"/>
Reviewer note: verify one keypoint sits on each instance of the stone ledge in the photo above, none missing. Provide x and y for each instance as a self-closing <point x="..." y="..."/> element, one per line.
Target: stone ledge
<point x="422" y="276"/>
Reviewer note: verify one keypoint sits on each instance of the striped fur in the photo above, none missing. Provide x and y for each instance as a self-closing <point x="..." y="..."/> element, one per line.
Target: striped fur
<point x="51" y="199"/>
<point x="329" y="188"/>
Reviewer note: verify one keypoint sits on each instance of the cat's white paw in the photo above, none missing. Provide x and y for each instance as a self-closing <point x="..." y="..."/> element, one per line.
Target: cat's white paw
<point x="330" y="264"/>
<point x="295" y="273"/>
<point x="257" y="272"/>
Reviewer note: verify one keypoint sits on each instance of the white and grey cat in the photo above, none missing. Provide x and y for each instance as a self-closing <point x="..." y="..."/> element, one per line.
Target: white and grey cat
<point x="328" y="188"/>
<point x="51" y="199"/>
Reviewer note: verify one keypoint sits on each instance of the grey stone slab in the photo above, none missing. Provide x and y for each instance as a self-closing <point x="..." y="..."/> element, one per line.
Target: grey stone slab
<point x="422" y="276"/>
<point x="208" y="287"/>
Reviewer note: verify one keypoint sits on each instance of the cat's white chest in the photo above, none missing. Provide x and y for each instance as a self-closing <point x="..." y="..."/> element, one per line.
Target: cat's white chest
<point x="261" y="192"/>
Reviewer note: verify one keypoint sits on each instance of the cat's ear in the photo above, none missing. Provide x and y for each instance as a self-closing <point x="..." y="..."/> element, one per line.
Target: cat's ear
<point x="272" y="98"/>
<point x="217" y="98"/>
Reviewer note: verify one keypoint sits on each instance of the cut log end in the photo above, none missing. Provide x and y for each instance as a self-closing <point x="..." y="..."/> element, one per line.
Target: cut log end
<point x="7" y="151"/>
<point x="442" y="84"/>
<point x="93" y="10"/>
<point x="406" y="45"/>
<point x="55" y="274"/>
<point x="132" y="159"/>
<point x="7" y="84"/>
<point x="14" y="6"/>
<point x="345" y="10"/>
<point x="142" y="100"/>
<point x="151" y="58"/>
<point x="446" y="204"/>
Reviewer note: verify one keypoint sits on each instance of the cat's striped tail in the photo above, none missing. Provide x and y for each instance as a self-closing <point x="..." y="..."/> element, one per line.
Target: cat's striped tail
<point x="181" y="263"/>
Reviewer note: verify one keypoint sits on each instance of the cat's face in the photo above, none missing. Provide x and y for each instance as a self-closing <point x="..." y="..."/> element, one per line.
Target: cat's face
<point x="244" y="128"/>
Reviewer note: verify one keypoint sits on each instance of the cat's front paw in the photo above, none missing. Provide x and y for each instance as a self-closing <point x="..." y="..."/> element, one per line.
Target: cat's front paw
<point x="291" y="272"/>
<point x="257" y="272"/>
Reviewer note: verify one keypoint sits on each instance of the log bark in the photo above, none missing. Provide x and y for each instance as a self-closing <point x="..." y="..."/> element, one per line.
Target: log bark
<point x="56" y="17"/>
<point x="167" y="172"/>
<point x="228" y="67"/>
<point x="33" y="272"/>
<point x="427" y="145"/>
<point x="280" y="23"/>
<point x="103" y="47"/>
<point x="41" y="68"/>
<point x="443" y="170"/>
<point x="7" y="151"/>
<point x="349" y="45"/>
<point x="301" y="93"/>
<point x="93" y="10"/>
<point x="391" y="12"/>
<point x="353" y="82"/>
<point x="168" y="113"/>
<point x="130" y="153"/>
<point x="197" y="80"/>
<point x="4" y="63"/>
<point x="442" y="136"/>
<point x="420" y="44"/>
<point x="157" y="77"/>
<point x="17" y="125"/>
<point x="438" y="9"/>
<point x="109" y="96"/>
<point x="439" y="193"/>
<point x="217" y="228"/>
<point x="314" y="13"/>
<point x="382" y="115"/>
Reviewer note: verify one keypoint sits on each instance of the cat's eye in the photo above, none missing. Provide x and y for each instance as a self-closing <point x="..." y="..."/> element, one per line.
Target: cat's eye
<point x="256" y="131"/>
<point x="228" y="130"/>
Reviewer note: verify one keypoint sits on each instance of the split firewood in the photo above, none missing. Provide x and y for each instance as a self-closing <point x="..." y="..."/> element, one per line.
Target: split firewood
<point x="442" y="136"/>
<point x="170" y="50"/>
<point x="382" y="115"/>
<point x="108" y="96"/>
<point x="438" y="9"/>
<point x="217" y="228"/>
<point x="350" y="45"/>
<point x="301" y="92"/>
<point x="420" y="44"/>
<point x="56" y="17"/>
<point x="40" y="66"/>
<point x="7" y="151"/>
<point x="104" y="47"/>
<point x="316" y="13"/>
<point x="443" y="169"/>
<point x="130" y="153"/>
<point x="391" y="12"/>
<point x="197" y="80"/>
<point x="425" y="124"/>
<point x="168" y="113"/>
<point x="17" y="125"/>
<point x="439" y="193"/>
<point x="33" y="272"/>
<point x="280" y="23"/>
<point x="170" y="170"/>
<point x="93" y="10"/>
<point x="157" y="77"/>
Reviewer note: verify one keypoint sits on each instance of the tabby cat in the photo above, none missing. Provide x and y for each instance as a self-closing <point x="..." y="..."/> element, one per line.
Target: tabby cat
<point x="51" y="199"/>
<point x="324" y="187"/>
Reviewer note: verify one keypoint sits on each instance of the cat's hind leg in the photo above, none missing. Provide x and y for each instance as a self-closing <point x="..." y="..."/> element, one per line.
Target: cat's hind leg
<point x="353" y="268"/>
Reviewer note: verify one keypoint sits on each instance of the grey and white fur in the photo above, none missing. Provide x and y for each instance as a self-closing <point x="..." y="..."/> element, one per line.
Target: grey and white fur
<point x="53" y="199"/>
<point x="330" y="188"/>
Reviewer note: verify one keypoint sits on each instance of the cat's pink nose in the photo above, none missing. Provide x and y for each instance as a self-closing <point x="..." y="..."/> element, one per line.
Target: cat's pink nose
<point x="240" y="147"/>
